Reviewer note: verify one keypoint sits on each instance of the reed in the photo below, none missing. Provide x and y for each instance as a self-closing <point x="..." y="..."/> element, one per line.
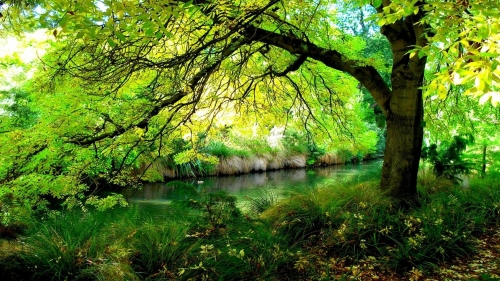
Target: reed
<point x="296" y="161"/>
<point x="233" y="165"/>
<point x="258" y="164"/>
<point x="331" y="158"/>
<point x="276" y="161"/>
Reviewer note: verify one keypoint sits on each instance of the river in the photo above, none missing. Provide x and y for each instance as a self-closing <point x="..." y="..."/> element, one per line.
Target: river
<point x="157" y="195"/>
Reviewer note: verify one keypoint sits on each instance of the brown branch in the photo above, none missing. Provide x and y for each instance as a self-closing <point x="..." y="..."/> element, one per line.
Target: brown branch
<point x="368" y="76"/>
<point x="292" y="67"/>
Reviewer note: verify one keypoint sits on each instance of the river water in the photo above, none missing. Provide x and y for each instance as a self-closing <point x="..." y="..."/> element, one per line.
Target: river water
<point x="156" y="195"/>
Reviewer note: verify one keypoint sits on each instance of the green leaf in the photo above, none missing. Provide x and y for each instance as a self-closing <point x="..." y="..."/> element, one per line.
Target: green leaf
<point x="382" y="21"/>
<point x="120" y="36"/>
<point x="111" y="42"/>
<point x="377" y="3"/>
<point x="408" y="10"/>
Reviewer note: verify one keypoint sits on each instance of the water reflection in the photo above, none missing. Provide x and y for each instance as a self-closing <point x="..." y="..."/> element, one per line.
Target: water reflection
<point x="162" y="193"/>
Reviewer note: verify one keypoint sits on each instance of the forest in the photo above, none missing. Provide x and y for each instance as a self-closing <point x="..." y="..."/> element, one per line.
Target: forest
<point x="98" y="96"/>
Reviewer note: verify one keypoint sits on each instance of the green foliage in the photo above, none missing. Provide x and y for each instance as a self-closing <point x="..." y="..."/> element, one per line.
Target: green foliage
<point x="258" y="146"/>
<point x="356" y="222"/>
<point x="315" y="153"/>
<point x="161" y="248"/>
<point x="295" y="142"/>
<point x="307" y="213"/>
<point x="324" y="232"/>
<point x="447" y="161"/>
<point x="63" y="246"/>
<point x="19" y="111"/>
<point x="221" y="150"/>
<point x="104" y="124"/>
<point x="194" y="168"/>
<point x="462" y="45"/>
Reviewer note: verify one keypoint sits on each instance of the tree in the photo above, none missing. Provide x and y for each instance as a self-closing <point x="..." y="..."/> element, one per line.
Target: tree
<point x="172" y="55"/>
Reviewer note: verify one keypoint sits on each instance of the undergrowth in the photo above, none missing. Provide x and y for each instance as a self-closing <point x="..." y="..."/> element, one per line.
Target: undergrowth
<point x="325" y="233"/>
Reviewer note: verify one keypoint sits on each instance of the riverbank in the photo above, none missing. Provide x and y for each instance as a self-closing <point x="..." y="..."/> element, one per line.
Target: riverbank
<point x="344" y="231"/>
<point x="237" y="165"/>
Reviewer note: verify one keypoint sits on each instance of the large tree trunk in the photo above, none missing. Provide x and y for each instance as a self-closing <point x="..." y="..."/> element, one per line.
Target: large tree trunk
<point x="404" y="139"/>
<point x="404" y="114"/>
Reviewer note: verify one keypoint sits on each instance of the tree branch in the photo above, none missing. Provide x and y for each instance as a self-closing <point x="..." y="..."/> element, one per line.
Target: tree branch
<point x="193" y="84"/>
<point x="368" y="76"/>
<point x="293" y="67"/>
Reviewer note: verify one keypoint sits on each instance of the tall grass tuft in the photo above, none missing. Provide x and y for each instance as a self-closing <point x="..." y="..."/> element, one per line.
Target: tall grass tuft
<point x="232" y="166"/>
<point x="81" y="246"/>
<point x="258" y="164"/>
<point x="160" y="249"/>
<point x="221" y="150"/>
<point x="64" y="245"/>
<point x="297" y="217"/>
<point x="309" y="234"/>
<point x="428" y="181"/>
<point x="276" y="161"/>
<point x="263" y="200"/>
<point x="331" y="158"/>
<point x="296" y="161"/>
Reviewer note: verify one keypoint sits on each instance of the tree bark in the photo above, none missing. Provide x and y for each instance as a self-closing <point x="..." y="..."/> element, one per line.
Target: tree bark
<point x="404" y="139"/>
<point x="404" y="116"/>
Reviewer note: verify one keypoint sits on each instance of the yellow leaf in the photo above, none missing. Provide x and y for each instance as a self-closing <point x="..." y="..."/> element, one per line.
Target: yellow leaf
<point x="442" y="92"/>
<point x="479" y="83"/>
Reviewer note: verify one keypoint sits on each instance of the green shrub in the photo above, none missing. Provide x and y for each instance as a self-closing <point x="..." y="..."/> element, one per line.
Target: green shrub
<point x="302" y="237"/>
<point x="315" y="153"/>
<point x="355" y="222"/>
<point x="257" y="146"/>
<point x="62" y="246"/>
<point x="194" y="168"/>
<point x="447" y="160"/>
<point x="295" y="142"/>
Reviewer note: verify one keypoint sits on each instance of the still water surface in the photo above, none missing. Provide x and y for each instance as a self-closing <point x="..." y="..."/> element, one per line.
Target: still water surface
<point x="247" y="185"/>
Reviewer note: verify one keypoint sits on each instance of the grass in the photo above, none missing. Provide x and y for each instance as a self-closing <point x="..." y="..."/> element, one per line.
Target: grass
<point x="221" y="150"/>
<point x="160" y="248"/>
<point x="355" y="223"/>
<point x="342" y="231"/>
<point x="263" y="200"/>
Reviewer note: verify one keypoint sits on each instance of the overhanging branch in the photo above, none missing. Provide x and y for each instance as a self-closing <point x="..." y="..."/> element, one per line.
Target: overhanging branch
<point x="368" y="76"/>
<point x="193" y="84"/>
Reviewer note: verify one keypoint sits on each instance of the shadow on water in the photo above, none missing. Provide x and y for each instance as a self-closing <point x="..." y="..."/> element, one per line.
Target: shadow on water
<point x="154" y="195"/>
